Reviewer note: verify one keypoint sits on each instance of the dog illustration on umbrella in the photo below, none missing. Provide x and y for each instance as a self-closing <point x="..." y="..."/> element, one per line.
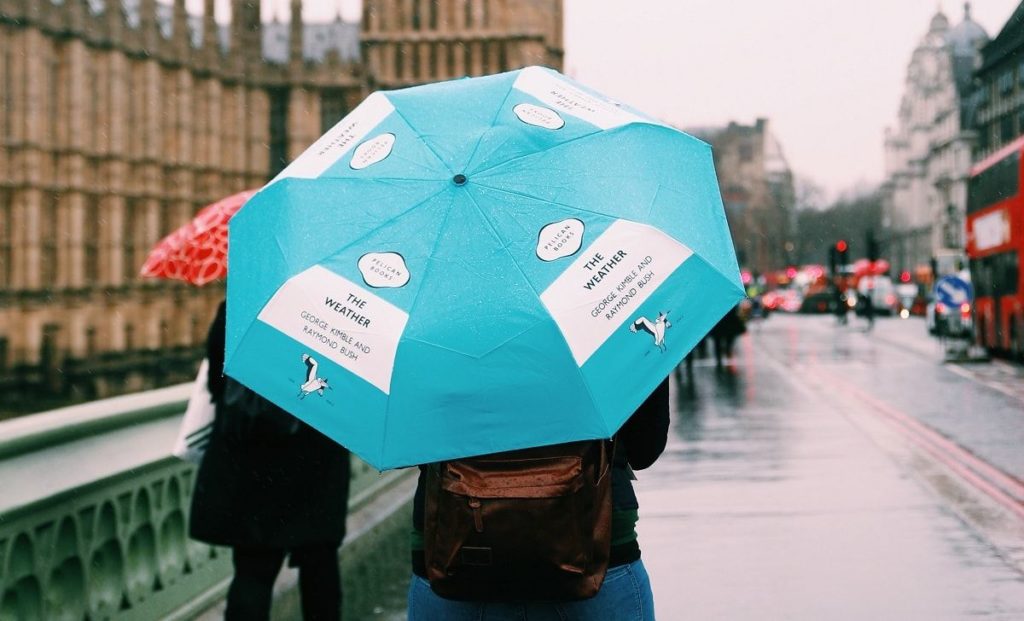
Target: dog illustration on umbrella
<point x="655" y="328"/>
<point x="313" y="382"/>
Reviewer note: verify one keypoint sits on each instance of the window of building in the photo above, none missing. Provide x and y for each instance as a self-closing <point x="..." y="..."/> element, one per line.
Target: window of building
<point x="417" y="16"/>
<point x="400" y="62"/>
<point x="278" y="130"/>
<point x="431" y="62"/>
<point x="450" y="60"/>
<point x="432" y="13"/>
<point x="56" y="94"/>
<point x="129" y="337"/>
<point x="503" y="57"/>
<point x="91" y="240"/>
<point x="1006" y="133"/>
<point x="746" y="152"/>
<point x="1005" y="82"/>
<point x="49" y="346"/>
<point x="332" y="108"/>
<point x="467" y="59"/>
<point x="129" y="237"/>
<point x="4" y="349"/>
<point x="48" y="239"/>
<point x="7" y="79"/>
<point x="467" y="6"/>
<point x="90" y="342"/>
<point x="92" y="103"/>
<point x="6" y="237"/>
<point x="487" y="13"/>
<point x="417" y="62"/>
<point x="165" y="334"/>
<point x="983" y="139"/>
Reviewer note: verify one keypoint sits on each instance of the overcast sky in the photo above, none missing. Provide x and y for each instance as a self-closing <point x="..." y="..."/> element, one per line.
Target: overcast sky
<point x="827" y="73"/>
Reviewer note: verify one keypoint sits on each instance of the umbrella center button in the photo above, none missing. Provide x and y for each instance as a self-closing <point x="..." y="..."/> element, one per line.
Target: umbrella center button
<point x="459" y="179"/>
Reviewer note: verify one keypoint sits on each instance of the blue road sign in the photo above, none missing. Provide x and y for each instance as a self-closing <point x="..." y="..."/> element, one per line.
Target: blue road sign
<point x="953" y="291"/>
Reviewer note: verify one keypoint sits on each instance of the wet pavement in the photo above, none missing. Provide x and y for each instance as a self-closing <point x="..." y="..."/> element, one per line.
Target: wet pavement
<point x="776" y="499"/>
<point x="831" y="473"/>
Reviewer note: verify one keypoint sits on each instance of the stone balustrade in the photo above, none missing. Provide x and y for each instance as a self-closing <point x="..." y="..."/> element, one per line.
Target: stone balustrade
<point x="94" y="520"/>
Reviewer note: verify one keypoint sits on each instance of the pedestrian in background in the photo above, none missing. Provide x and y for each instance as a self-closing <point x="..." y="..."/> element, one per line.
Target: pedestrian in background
<point x="270" y="487"/>
<point x="724" y="334"/>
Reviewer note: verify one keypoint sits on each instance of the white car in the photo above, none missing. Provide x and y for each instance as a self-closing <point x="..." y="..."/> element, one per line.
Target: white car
<point x="880" y="290"/>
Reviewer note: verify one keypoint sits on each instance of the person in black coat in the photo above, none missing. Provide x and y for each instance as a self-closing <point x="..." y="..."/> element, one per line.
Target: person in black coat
<point x="270" y="487"/>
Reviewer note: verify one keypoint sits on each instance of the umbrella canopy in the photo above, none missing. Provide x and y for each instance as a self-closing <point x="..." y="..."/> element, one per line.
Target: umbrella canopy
<point x="476" y="266"/>
<point x="198" y="251"/>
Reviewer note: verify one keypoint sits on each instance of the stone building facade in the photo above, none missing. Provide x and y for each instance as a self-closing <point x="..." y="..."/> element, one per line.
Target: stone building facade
<point x="928" y="153"/>
<point x="999" y="89"/>
<point x="119" y="119"/>
<point x="757" y="189"/>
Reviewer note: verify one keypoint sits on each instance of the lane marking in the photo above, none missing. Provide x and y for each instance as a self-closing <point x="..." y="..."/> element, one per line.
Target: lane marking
<point x="1002" y="487"/>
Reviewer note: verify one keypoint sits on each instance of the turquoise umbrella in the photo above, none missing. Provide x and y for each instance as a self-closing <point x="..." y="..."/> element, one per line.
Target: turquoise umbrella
<point x="476" y="266"/>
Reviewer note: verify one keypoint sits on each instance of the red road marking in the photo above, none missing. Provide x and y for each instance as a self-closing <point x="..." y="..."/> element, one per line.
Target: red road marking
<point x="1001" y="486"/>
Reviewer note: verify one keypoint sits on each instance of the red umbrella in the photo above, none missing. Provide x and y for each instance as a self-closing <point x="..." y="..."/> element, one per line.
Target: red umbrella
<point x="198" y="251"/>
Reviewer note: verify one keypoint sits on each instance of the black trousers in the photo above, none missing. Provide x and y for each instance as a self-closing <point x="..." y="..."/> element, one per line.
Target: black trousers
<point x="251" y="590"/>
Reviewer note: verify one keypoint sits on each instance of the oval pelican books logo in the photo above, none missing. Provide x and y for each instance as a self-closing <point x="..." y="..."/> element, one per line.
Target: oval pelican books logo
<point x="538" y="116"/>
<point x="560" y="239"/>
<point x="384" y="269"/>
<point x="372" y="151"/>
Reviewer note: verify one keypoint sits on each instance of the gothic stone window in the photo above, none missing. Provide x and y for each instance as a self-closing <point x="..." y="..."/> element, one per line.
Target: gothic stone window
<point x="6" y="237"/>
<point x="332" y="108"/>
<point x="48" y="239"/>
<point x="278" y="130"/>
<point x="91" y="240"/>
<point x="129" y="237"/>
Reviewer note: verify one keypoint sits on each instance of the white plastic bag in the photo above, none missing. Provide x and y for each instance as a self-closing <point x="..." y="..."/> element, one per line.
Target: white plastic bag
<point x="197" y="424"/>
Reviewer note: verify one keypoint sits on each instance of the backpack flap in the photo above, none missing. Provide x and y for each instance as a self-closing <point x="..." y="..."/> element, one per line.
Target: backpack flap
<point x="524" y="525"/>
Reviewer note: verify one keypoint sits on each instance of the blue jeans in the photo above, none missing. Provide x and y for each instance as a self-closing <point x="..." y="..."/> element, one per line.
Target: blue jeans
<point x="625" y="595"/>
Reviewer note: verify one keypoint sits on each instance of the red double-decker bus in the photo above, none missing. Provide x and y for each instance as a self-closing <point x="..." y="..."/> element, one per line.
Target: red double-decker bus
<point x="995" y="244"/>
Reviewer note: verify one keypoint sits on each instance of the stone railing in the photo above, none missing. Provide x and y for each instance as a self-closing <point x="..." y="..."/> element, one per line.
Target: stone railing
<point x="94" y="520"/>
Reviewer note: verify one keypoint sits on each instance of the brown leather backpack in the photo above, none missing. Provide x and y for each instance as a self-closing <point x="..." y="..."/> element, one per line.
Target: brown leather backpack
<point x="527" y="525"/>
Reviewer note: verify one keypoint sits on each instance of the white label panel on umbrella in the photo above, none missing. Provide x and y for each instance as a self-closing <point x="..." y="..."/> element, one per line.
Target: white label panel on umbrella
<point x="608" y="281"/>
<point x="340" y="139"/>
<point x="569" y="99"/>
<point x="341" y="320"/>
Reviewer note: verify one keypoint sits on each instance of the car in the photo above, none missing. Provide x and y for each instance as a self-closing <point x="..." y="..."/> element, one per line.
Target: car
<point x="819" y="302"/>
<point x="944" y="321"/>
<point x="880" y="290"/>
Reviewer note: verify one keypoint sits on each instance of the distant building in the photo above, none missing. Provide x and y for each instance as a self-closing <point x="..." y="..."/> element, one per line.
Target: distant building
<point x="120" y="118"/>
<point x="757" y="189"/>
<point x="999" y="82"/>
<point x="928" y="153"/>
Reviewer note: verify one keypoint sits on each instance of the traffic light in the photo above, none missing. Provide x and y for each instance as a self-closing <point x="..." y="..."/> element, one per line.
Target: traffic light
<point x="872" y="247"/>
<point x="841" y="249"/>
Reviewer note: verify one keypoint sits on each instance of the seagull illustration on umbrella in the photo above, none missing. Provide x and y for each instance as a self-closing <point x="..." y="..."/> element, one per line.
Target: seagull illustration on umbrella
<point x="313" y="383"/>
<point x="655" y="328"/>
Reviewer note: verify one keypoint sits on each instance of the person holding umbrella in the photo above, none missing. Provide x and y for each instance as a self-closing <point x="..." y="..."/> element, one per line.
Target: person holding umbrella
<point x="479" y="268"/>
<point x="253" y="489"/>
<point x="624" y="595"/>
<point x="270" y="487"/>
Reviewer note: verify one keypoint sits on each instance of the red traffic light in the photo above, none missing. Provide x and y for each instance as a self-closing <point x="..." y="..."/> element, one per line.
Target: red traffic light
<point x="841" y="245"/>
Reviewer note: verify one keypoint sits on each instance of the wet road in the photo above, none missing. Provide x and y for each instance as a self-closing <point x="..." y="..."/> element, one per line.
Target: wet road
<point x="800" y="482"/>
<point x="829" y="473"/>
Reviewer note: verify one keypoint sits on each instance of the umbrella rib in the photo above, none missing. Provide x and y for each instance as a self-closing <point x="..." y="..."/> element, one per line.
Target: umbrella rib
<point x="381" y="226"/>
<point x="548" y="201"/>
<point x="512" y="259"/>
<point x="494" y="123"/>
<point x="412" y="308"/>
<point x="599" y="132"/>
<point x="574" y="208"/>
<point x="425" y="143"/>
